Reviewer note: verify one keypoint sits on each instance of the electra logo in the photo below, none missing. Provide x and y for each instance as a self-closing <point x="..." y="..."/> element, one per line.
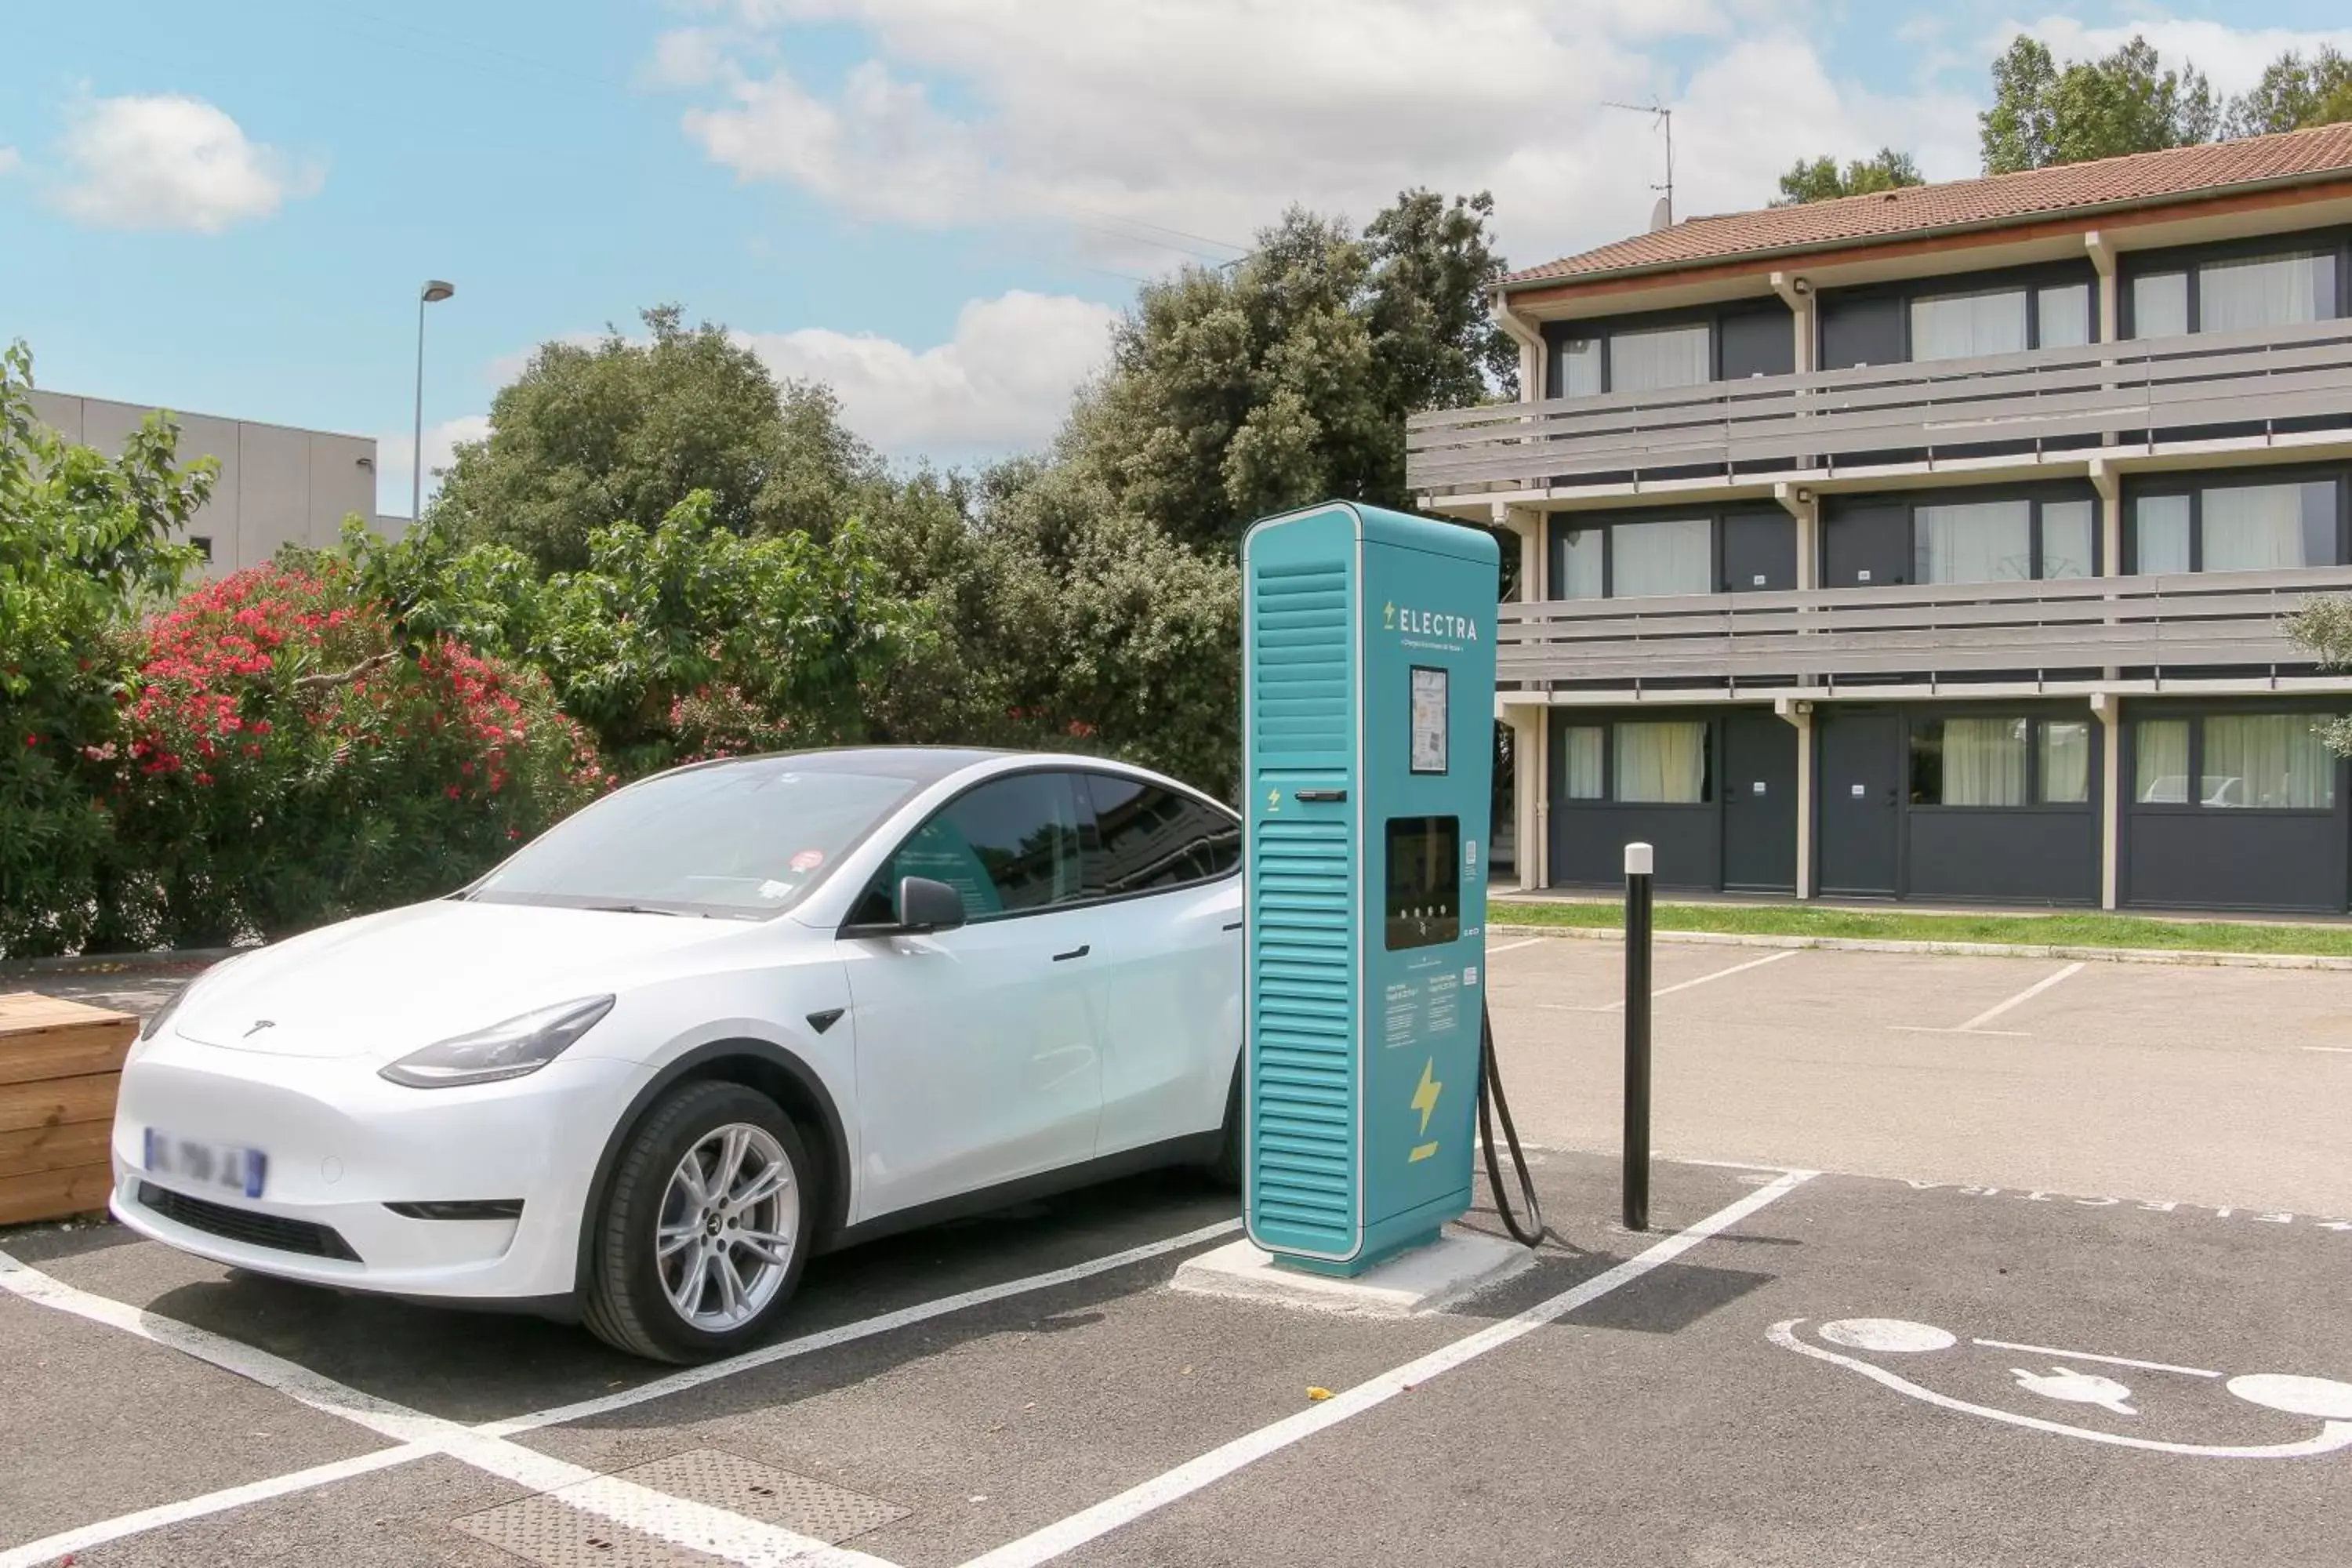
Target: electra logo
<point x="260" y="1025"/>
<point x="1429" y="623"/>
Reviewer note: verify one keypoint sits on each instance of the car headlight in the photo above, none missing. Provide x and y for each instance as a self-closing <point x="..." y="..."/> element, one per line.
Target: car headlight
<point x="520" y="1046"/>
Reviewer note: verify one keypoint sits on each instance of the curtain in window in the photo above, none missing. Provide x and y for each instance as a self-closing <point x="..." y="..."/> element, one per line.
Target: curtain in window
<point x="1984" y="762"/>
<point x="2064" y="313"/>
<point x="2068" y="528"/>
<point x="1661" y="357"/>
<point x="1962" y="326"/>
<point x="1585" y="779"/>
<point x="1579" y="367"/>
<point x="2161" y="776"/>
<point x="2065" y="762"/>
<point x="2259" y="528"/>
<point x="1580" y="564"/>
<point x="1651" y="558"/>
<point x="1988" y="542"/>
<point x="2266" y="291"/>
<point x="2160" y="533"/>
<point x="2266" y="760"/>
<point x="2160" y="305"/>
<point x="1662" y="764"/>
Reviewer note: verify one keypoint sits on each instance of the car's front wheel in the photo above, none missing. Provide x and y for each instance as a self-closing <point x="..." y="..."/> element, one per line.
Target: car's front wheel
<point x="701" y="1241"/>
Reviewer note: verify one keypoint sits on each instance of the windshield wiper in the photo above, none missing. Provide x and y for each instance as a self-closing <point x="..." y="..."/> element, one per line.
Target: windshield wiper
<point x="638" y="910"/>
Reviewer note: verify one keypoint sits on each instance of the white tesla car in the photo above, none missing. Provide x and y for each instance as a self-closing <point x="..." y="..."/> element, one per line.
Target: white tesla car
<point x="723" y="1018"/>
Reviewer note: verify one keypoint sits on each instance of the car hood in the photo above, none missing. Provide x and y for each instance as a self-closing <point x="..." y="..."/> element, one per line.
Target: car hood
<point x="387" y="984"/>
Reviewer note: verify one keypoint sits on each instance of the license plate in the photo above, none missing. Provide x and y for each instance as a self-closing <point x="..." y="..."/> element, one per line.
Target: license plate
<point x="225" y="1167"/>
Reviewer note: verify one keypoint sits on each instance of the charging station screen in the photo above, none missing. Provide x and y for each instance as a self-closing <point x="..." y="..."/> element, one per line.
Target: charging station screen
<point x="1428" y="719"/>
<point x="1425" y="881"/>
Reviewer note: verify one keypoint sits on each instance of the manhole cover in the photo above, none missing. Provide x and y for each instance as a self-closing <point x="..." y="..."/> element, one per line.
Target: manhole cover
<point x="545" y="1530"/>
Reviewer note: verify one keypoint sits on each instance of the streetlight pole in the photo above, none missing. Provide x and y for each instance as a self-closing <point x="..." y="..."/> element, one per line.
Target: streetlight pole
<point x="433" y="293"/>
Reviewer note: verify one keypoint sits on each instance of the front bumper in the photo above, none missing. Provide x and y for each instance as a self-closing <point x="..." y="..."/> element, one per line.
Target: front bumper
<point x="343" y="1144"/>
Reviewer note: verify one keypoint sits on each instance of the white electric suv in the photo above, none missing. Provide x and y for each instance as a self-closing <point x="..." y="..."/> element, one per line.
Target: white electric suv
<point x="725" y="1017"/>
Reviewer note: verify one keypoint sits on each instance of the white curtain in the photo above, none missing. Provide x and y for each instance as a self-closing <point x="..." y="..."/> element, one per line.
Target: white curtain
<point x="2160" y="533"/>
<point x="2256" y="528"/>
<point x="2267" y="761"/>
<point x="2267" y="291"/>
<point x="2160" y="305"/>
<point x="1661" y="357"/>
<point x="2064" y="310"/>
<point x="1989" y="542"/>
<point x="2161" y="775"/>
<point x="1580" y="564"/>
<point x="1662" y="764"/>
<point x="1654" y="558"/>
<point x="1984" y="762"/>
<point x="1585" y="779"/>
<point x="2065" y="762"/>
<point x="1579" y="367"/>
<point x="2068" y="527"/>
<point x="1962" y="326"/>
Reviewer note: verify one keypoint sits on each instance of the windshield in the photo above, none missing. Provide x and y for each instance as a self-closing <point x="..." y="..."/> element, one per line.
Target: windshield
<point x="743" y="840"/>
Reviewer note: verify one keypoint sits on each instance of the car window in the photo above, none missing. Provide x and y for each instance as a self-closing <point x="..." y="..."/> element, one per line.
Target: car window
<point x="1009" y="845"/>
<point x="1149" y="837"/>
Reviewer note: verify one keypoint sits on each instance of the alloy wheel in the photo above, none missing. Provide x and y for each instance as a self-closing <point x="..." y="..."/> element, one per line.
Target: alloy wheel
<point x="730" y="1220"/>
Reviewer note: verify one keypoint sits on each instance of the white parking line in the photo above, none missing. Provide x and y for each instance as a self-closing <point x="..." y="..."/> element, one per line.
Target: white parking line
<point x="2337" y="1050"/>
<point x="1976" y="1026"/>
<point x="1515" y="946"/>
<point x="2085" y="1355"/>
<point x="1104" y="1517"/>
<point x="625" y="1503"/>
<point x="1619" y="1004"/>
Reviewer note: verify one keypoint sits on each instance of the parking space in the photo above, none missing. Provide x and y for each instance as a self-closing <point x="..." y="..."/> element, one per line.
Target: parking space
<point x="2101" y="1257"/>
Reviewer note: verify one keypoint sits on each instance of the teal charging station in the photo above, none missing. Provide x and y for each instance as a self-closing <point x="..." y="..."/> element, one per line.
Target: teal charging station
<point x="1368" y="740"/>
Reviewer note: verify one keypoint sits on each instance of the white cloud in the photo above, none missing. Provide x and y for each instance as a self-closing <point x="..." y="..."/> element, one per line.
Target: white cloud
<point x="1000" y="384"/>
<point x="172" y="163"/>
<point x="2231" y="57"/>
<point x="394" y="453"/>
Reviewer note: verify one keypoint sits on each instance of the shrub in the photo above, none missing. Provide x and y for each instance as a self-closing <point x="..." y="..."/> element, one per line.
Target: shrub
<point x="281" y="762"/>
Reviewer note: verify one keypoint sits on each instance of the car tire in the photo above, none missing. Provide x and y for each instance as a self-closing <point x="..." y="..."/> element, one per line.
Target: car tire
<point x="1227" y="1168"/>
<point x="675" y="1271"/>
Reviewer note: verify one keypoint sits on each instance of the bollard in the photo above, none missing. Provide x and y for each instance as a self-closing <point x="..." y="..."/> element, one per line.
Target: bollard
<point x="1637" y="1037"/>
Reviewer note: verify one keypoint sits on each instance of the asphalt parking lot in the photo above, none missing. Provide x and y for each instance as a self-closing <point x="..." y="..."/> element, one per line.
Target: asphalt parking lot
<point x="2127" y="1348"/>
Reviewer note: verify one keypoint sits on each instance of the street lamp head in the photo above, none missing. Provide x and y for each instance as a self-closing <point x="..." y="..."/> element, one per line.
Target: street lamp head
<point x="436" y="290"/>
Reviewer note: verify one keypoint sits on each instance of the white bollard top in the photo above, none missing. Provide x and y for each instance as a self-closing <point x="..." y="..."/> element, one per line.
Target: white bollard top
<point x="1637" y="859"/>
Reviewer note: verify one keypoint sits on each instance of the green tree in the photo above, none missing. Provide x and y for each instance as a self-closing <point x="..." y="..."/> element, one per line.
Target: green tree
<point x="2322" y="628"/>
<point x="85" y="541"/>
<point x="623" y="430"/>
<point x="2127" y="102"/>
<point x="2295" y="94"/>
<point x="1820" y="179"/>
<point x="1237" y="392"/>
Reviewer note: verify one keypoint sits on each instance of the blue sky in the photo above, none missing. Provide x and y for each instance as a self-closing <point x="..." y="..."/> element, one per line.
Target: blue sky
<point x="935" y="205"/>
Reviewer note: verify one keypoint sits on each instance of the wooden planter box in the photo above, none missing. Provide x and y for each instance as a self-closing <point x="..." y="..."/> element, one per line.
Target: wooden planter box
<point x="59" y="1065"/>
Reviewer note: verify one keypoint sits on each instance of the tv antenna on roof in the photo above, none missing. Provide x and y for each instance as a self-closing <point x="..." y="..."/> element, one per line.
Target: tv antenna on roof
<point x="1663" y="215"/>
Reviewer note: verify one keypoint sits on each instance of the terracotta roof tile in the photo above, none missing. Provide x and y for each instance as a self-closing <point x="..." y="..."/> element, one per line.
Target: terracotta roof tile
<point x="1990" y="200"/>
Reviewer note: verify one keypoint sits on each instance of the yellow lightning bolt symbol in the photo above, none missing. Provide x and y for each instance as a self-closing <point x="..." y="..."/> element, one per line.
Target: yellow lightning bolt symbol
<point x="1424" y="1099"/>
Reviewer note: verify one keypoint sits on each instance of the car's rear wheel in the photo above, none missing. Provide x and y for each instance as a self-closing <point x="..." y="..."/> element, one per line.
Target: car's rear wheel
<point x="702" y="1239"/>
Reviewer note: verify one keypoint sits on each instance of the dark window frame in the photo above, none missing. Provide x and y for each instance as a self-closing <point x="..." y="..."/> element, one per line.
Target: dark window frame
<point x="1708" y="782"/>
<point x="2195" y="714"/>
<point x="2039" y="492"/>
<point x="2194" y="482"/>
<point x="2036" y="786"/>
<point x="1715" y="513"/>
<point x="1557" y="336"/>
<point x="2188" y="258"/>
<point x="1905" y="290"/>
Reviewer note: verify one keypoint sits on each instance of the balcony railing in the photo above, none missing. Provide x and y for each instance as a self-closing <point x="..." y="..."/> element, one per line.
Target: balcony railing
<point x="2227" y="619"/>
<point x="1812" y="422"/>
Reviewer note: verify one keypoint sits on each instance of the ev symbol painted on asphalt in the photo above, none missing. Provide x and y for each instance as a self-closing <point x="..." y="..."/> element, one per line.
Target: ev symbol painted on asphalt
<point x="1932" y="1356"/>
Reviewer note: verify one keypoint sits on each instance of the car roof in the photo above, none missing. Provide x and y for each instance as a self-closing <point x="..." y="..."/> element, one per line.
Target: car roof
<point x="917" y="764"/>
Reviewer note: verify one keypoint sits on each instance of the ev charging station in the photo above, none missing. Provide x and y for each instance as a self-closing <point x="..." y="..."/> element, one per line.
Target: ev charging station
<point x="1367" y="755"/>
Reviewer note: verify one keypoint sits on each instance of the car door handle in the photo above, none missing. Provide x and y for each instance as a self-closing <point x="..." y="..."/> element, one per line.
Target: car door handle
<point x="1234" y="925"/>
<point x="1078" y="952"/>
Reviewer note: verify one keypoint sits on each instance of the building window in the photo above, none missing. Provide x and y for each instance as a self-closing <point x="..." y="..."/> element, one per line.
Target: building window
<point x="1965" y="326"/>
<point x="1652" y="559"/>
<point x="204" y="544"/>
<point x="2241" y="762"/>
<point x="1659" y="357"/>
<point x="2235" y="295"/>
<point x="2015" y="541"/>
<point x="1582" y="573"/>
<point x="2000" y="760"/>
<point x="1588" y="774"/>
<point x="1579" y="368"/>
<point x="2061" y="316"/>
<point x="1661" y="763"/>
<point x="2236" y="527"/>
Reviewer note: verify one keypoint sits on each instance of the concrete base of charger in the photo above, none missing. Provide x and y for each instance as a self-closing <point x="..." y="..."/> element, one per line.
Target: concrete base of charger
<point x="1452" y="1269"/>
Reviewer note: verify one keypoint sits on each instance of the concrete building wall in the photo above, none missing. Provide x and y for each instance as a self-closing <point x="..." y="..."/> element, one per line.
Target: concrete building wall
<point x="278" y="485"/>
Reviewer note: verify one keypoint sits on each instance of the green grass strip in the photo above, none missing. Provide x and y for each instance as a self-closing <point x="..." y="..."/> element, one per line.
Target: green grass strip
<point x="2031" y="931"/>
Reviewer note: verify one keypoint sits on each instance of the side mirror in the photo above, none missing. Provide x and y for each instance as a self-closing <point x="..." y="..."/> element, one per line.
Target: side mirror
<point x="927" y="906"/>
